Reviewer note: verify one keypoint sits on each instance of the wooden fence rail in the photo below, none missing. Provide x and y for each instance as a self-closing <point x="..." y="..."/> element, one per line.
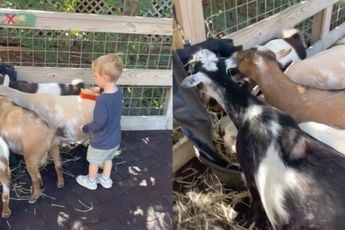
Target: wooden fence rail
<point x="144" y="77"/>
<point x="95" y="23"/>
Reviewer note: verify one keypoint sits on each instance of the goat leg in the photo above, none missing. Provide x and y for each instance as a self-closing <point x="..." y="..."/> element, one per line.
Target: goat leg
<point x="6" y="181"/>
<point x="55" y="154"/>
<point x="256" y="213"/>
<point x="6" y="211"/>
<point x="36" y="180"/>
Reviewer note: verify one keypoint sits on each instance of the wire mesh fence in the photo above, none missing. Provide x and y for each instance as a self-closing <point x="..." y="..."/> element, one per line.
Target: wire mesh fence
<point x="306" y="26"/>
<point x="144" y="100"/>
<point x="229" y="16"/>
<point x="338" y="14"/>
<point x="76" y="49"/>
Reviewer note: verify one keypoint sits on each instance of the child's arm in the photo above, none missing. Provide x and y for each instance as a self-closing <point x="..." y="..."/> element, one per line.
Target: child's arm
<point x="100" y="117"/>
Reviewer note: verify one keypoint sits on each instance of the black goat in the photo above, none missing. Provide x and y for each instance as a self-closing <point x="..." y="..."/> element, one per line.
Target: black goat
<point x="298" y="179"/>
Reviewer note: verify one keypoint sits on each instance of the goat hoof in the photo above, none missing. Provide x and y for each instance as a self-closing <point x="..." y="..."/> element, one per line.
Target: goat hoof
<point x="6" y="214"/>
<point x="60" y="185"/>
<point x="33" y="199"/>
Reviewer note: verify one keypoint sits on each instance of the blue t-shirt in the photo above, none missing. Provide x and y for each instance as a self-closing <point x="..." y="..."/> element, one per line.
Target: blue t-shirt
<point x="105" y="129"/>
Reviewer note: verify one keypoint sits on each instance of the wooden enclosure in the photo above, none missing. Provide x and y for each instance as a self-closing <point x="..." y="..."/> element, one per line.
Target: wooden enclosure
<point x="104" y="23"/>
<point x="190" y="17"/>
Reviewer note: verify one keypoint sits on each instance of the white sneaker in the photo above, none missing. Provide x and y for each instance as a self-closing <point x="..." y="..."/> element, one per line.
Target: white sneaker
<point x="105" y="183"/>
<point x="86" y="183"/>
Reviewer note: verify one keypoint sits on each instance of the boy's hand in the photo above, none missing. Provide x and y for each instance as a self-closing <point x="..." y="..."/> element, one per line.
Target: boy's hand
<point x="81" y="128"/>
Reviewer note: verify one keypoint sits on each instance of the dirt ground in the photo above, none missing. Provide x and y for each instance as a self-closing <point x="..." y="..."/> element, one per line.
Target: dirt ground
<point x="141" y="196"/>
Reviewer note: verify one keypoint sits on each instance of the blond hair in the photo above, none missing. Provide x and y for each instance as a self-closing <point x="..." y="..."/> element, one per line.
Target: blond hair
<point x="110" y="65"/>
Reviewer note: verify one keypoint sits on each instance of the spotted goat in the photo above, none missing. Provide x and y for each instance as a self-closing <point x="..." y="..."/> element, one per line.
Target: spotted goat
<point x="297" y="180"/>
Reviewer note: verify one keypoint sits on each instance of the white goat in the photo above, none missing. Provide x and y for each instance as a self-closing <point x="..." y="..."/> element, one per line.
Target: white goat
<point x="328" y="135"/>
<point x="325" y="70"/>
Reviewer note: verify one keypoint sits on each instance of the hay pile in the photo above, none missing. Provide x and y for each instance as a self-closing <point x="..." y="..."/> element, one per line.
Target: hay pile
<point x="221" y="122"/>
<point x="21" y="188"/>
<point x="203" y="202"/>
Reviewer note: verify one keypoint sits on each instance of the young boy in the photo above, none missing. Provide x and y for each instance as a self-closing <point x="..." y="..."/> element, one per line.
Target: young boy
<point x="105" y="128"/>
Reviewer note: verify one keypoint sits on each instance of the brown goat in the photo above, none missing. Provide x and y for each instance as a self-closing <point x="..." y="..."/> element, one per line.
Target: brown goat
<point x="302" y="103"/>
<point x="28" y="135"/>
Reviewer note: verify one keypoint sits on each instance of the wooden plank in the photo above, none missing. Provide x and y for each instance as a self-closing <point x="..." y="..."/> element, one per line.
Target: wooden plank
<point x="183" y="151"/>
<point x="326" y="22"/>
<point x="327" y="41"/>
<point x="321" y="24"/>
<point x="145" y="123"/>
<point x="142" y="77"/>
<point x="264" y="30"/>
<point x="177" y="37"/>
<point x="316" y="27"/>
<point x="190" y="16"/>
<point x="96" y="23"/>
<point x="169" y="107"/>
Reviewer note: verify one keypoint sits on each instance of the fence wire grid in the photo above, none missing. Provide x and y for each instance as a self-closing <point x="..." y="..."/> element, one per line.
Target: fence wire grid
<point x="229" y="16"/>
<point x="76" y="49"/>
<point x="338" y="14"/>
<point x="144" y="100"/>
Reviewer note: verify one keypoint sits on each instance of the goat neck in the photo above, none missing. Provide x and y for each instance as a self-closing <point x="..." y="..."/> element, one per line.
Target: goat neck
<point x="262" y="67"/>
<point x="323" y="106"/>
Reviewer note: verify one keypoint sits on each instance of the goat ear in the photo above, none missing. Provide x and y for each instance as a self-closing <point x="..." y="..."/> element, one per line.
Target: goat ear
<point x="283" y="53"/>
<point x="230" y="63"/>
<point x="300" y="149"/>
<point x="192" y="80"/>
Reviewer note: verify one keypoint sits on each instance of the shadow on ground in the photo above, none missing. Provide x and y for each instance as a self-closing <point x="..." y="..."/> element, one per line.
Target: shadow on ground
<point x="141" y="196"/>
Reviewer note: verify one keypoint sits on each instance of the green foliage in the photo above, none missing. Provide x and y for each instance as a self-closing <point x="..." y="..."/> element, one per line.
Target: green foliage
<point x="53" y="5"/>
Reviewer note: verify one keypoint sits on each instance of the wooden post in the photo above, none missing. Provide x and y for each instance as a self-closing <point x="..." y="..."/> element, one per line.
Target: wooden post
<point x="190" y="16"/>
<point x="177" y="37"/>
<point x="333" y="36"/>
<point x="321" y="24"/>
<point x="183" y="152"/>
<point x="48" y="20"/>
<point x="169" y="108"/>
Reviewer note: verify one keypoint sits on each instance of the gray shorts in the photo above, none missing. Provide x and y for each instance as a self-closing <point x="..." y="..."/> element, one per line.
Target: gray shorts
<point x="99" y="156"/>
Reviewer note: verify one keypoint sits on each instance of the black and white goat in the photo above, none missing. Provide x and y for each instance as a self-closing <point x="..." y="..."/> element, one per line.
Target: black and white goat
<point x="293" y="40"/>
<point x="298" y="179"/>
<point x="73" y="88"/>
<point x="9" y="70"/>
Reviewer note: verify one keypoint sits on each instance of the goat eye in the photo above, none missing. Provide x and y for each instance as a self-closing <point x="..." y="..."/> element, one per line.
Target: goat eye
<point x="233" y="72"/>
